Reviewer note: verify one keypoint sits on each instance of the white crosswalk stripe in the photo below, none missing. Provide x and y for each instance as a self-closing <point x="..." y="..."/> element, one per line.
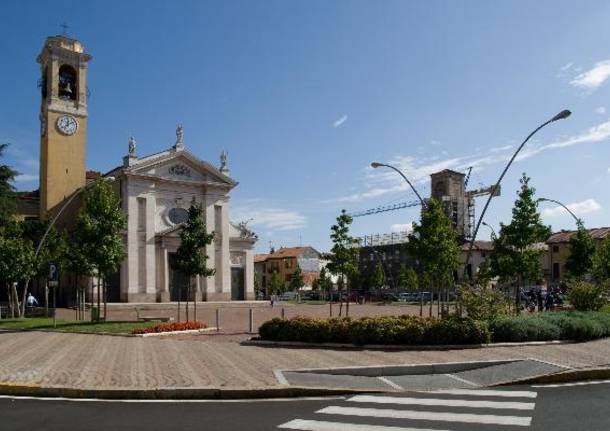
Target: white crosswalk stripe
<point x="443" y="402"/>
<point x="445" y="408"/>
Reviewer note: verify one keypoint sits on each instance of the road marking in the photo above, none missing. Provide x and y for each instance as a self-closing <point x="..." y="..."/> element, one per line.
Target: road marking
<point x="443" y="402"/>
<point x="562" y="385"/>
<point x="489" y="393"/>
<point x="307" y="425"/>
<point x="459" y="379"/>
<point x="176" y="401"/>
<point x="523" y="421"/>
<point x="391" y="383"/>
<point x="281" y="379"/>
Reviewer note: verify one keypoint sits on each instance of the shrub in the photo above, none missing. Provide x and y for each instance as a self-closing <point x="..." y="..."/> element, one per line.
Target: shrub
<point x="170" y="327"/>
<point x="484" y="304"/>
<point x="524" y="328"/>
<point x="406" y="330"/>
<point x="586" y="296"/>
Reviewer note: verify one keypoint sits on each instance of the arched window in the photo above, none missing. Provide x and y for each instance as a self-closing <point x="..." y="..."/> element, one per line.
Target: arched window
<point x="67" y="82"/>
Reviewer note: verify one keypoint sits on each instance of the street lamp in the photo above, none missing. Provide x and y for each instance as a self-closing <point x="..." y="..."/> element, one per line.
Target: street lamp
<point x="375" y="165"/>
<point x="576" y="219"/>
<point x="493" y="232"/>
<point x="61" y="210"/>
<point x="562" y="115"/>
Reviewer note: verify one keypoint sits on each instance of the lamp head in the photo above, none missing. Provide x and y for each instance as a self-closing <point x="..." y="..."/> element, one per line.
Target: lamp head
<point x="375" y="165"/>
<point x="563" y="114"/>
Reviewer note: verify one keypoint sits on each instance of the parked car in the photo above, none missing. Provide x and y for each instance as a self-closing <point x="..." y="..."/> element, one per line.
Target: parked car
<point x="408" y="296"/>
<point x="288" y="296"/>
<point x="389" y="297"/>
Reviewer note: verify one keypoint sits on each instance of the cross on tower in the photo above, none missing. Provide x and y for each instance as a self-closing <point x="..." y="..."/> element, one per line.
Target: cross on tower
<point x="65" y="28"/>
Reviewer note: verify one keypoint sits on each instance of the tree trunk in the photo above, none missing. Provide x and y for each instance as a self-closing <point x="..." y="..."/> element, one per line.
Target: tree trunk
<point x="188" y="296"/>
<point x="98" y="300"/>
<point x="431" y="296"/>
<point x="105" y="297"/>
<point x="25" y="292"/>
<point x="46" y="299"/>
<point x="179" y="295"/>
<point x="195" y="305"/>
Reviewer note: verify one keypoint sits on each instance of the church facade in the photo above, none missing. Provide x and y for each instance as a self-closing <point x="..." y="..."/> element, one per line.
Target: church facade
<point x="155" y="190"/>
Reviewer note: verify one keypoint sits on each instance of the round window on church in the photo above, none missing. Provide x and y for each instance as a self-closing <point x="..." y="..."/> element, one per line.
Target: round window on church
<point x="178" y="215"/>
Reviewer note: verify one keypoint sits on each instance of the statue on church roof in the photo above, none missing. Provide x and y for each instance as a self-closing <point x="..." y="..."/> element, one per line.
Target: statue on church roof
<point x="223" y="162"/>
<point x="179" y="138"/>
<point x="132" y="146"/>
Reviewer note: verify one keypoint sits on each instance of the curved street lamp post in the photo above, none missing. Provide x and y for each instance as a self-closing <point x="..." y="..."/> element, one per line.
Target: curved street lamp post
<point x="576" y="219"/>
<point x="562" y="115"/>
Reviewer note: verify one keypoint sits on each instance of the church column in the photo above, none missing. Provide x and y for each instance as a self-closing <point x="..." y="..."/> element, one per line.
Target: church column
<point x="249" y="275"/>
<point x="225" y="253"/>
<point x="209" y="283"/>
<point x="151" y="285"/>
<point x="132" y="248"/>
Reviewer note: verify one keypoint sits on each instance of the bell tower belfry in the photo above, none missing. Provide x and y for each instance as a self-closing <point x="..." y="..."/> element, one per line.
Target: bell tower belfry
<point x="63" y="120"/>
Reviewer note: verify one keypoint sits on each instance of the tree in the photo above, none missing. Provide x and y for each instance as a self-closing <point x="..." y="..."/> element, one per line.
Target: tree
<point x="434" y="243"/>
<point x="484" y="276"/>
<point x="601" y="261"/>
<point x="343" y="261"/>
<point x="515" y="254"/>
<point x="17" y="262"/>
<point x="190" y="256"/>
<point x="323" y="283"/>
<point x="378" y="277"/>
<point x="99" y="233"/>
<point x="7" y="190"/>
<point x="276" y="285"/>
<point x="258" y="288"/>
<point x="582" y="249"/>
<point x="407" y="278"/>
<point x="296" y="281"/>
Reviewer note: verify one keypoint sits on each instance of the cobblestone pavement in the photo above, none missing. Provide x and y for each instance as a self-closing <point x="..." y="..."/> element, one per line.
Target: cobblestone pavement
<point x="98" y="361"/>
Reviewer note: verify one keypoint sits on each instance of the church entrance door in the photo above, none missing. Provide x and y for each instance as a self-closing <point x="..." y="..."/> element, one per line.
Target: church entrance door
<point x="178" y="281"/>
<point x="237" y="284"/>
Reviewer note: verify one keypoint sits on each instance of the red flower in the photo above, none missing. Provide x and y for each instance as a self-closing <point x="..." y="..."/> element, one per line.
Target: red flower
<point x="170" y="327"/>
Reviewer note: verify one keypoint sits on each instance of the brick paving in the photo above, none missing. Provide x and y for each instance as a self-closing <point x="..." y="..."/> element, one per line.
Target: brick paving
<point x="97" y="361"/>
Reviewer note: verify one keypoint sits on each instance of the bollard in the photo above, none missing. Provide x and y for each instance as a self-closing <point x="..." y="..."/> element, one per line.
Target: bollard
<point x="283" y="313"/>
<point x="217" y="320"/>
<point x="330" y="305"/>
<point x="251" y="315"/>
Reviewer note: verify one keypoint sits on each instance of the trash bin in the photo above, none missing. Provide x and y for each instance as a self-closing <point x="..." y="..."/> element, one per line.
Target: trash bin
<point x="95" y="314"/>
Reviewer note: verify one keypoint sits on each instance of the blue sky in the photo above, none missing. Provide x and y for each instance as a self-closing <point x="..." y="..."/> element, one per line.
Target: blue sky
<point x="305" y="94"/>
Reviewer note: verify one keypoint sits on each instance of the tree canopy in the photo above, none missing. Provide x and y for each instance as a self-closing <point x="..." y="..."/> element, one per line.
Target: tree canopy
<point x="582" y="249"/>
<point x="296" y="280"/>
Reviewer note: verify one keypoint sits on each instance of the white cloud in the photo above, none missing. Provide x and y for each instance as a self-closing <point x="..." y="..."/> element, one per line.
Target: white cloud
<point x="400" y="227"/>
<point x="566" y="66"/>
<point x="593" y="78"/>
<point x="382" y="181"/>
<point x="24" y="178"/>
<point x="274" y="219"/>
<point x="600" y="110"/>
<point x="579" y="208"/>
<point x="340" y="121"/>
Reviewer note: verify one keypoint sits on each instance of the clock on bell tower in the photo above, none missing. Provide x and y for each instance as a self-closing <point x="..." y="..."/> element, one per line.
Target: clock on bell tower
<point x="63" y="120"/>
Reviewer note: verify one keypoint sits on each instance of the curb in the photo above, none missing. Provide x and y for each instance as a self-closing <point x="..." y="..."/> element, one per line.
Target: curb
<point x="115" y="334"/>
<point x="346" y="346"/>
<point x="32" y="390"/>
<point x="574" y="375"/>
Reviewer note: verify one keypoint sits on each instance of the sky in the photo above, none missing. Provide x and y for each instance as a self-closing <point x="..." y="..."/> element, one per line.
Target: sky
<point x="304" y="95"/>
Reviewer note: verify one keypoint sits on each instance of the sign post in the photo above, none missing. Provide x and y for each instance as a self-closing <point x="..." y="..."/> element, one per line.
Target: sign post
<point x="53" y="281"/>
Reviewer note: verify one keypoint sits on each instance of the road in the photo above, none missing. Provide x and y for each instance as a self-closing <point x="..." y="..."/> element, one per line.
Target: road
<point x="574" y="407"/>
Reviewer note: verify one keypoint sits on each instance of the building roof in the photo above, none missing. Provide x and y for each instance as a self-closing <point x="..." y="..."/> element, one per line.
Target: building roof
<point x="284" y="252"/>
<point x="479" y="245"/>
<point x="91" y="176"/>
<point x="260" y="258"/>
<point x="448" y="171"/>
<point x="565" y="235"/>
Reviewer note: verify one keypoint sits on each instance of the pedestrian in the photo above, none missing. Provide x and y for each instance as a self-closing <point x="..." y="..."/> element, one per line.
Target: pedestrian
<point x="31" y="301"/>
<point x="272" y="299"/>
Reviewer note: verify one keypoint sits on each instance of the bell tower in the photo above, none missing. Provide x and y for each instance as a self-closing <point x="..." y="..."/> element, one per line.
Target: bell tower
<point x="63" y="120"/>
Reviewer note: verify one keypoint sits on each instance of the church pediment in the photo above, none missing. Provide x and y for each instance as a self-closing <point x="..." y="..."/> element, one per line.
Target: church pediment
<point x="180" y="166"/>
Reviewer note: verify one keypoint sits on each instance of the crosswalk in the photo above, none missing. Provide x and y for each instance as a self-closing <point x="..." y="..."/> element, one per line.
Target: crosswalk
<point x="442" y="410"/>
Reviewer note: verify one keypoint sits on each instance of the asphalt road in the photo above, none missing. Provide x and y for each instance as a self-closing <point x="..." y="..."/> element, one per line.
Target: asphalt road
<point x="580" y="407"/>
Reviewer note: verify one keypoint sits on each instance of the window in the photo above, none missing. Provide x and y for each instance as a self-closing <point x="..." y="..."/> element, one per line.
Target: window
<point x="178" y="215"/>
<point x="288" y="277"/>
<point x="556" y="271"/>
<point x="67" y="82"/>
<point x="483" y="254"/>
<point x="555" y="249"/>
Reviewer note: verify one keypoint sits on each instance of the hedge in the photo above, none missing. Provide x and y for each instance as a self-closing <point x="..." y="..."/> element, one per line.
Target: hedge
<point x="401" y="330"/>
<point x="571" y="325"/>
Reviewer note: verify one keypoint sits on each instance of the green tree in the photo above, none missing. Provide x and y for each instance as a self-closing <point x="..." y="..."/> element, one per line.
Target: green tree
<point x="484" y="275"/>
<point x="407" y="278"/>
<point x="434" y="243"/>
<point x="191" y="259"/>
<point x="17" y="262"/>
<point x="276" y="285"/>
<point x="296" y="280"/>
<point x="582" y="249"/>
<point x="601" y="261"/>
<point x="378" y="277"/>
<point x="258" y="288"/>
<point x="343" y="261"/>
<point x="7" y="190"/>
<point x="515" y="254"/>
<point x="99" y="233"/>
<point x="323" y="283"/>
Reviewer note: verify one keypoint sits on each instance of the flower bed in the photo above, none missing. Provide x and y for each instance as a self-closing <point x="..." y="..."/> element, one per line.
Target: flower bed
<point x="385" y="330"/>
<point x="170" y="327"/>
